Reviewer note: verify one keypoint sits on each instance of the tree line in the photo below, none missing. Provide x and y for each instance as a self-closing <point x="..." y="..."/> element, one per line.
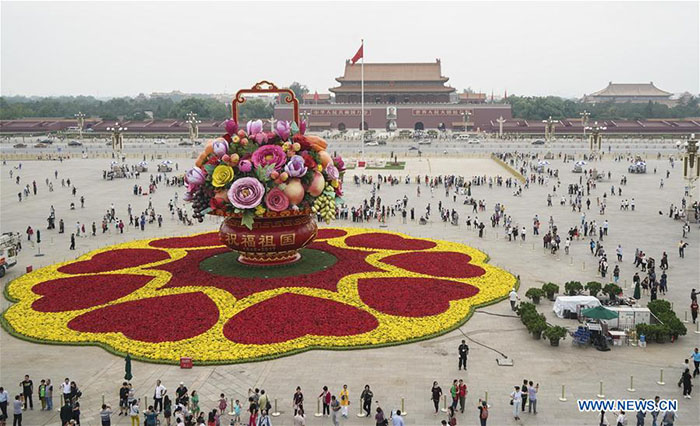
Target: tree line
<point x="209" y="108"/>
<point x="540" y="108"/>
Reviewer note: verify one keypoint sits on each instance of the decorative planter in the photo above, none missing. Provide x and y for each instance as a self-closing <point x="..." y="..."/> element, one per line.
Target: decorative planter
<point x="272" y="241"/>
<point x="554" y="342"/>
<point x="537" y="335"/>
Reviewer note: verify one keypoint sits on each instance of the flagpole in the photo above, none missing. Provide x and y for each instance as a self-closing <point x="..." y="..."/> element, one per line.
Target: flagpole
<point x="362" y="98"/>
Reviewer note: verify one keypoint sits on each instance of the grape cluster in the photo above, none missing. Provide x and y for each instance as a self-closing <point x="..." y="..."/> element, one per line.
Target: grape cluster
<point x="325" y="204"/>
<point x="200" y="202"/>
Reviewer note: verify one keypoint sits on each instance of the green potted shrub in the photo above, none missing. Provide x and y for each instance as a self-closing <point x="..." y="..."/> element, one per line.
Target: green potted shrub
<point x="643" y="329"/>
<point x="550" y="289"/>
<point x="612" y="290"/>
<point x="594" y="288"/>
<point x="535" y="294"/>
<point x="663" y="332"/>
<point x="555" y="333"/>
<point x="573" y="288"/>
<point x="536" y="326"/>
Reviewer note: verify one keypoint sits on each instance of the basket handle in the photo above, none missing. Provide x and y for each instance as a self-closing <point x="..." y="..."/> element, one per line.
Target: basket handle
<point x="265" y="87"/>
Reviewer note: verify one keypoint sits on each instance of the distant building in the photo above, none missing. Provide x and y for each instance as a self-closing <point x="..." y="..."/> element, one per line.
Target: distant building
<point x="632" y="93"/>
<point x="397" y="83"/>
<point x="397" y="96"/>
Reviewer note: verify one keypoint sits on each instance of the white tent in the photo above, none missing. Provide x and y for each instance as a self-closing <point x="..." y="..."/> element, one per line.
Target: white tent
<point x="572" y="303"/>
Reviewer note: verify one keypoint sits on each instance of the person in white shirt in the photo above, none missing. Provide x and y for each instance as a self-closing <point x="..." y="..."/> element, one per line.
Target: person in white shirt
<point x="621" y="419"/>
<point x="516" y="400"/>
<point x="65" y="389"/>
<point x="513" y="297"/>
<point x="158" y="395"/>
<point x="396" y="419"/>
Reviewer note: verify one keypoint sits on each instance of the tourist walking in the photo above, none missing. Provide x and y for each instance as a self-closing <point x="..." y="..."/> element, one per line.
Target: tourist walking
<point x="344" y="401"/>
<point x="695" y="355"/>
<point x="134" y="413"/>
<point x="462" y="395"/>
<point x="366" y="397"/>
<point x="483" y="412"/>
<point x="27" y="390"/>
<point x="17" y="411"/>
<point x="335" y="409"/>
<point x="379" y="418"/>
<point x="436" y="394"/>
<point x="686" y="381"/>
<point x="515" y="401"/>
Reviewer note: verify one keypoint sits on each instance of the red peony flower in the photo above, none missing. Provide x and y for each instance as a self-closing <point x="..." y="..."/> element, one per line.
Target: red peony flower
<point x="308" y="160"/>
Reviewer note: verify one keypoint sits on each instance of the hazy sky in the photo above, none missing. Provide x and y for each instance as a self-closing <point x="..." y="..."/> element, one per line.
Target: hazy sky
<point x="538" y="48"/>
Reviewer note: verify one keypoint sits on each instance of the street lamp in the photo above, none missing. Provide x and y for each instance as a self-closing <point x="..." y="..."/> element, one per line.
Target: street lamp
<point x="193" y="125"/>
<point x="691" y="173"/>
<point x="80" y="118"/>
<point x="465" y="116"/>
<point x="117" y="136"/>
<point x="596" y="138"/>
<point x="584" y="120"/>
<point x="549" y="126"/>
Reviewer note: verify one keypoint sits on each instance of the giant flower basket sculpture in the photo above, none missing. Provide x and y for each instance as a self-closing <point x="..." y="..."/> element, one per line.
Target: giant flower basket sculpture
<point x="267" y="185"/>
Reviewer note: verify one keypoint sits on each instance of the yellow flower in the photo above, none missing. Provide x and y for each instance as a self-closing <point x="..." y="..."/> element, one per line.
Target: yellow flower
<point x="223" y="174"/>
<point x="260" y="210"/>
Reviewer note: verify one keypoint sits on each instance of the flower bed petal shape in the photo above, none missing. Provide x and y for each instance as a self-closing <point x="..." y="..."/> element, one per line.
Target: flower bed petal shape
<point x="412" y="297"/>
<point x="85" y="291"/>
<point x="161" y="299"/>
<point x="290" y="316"/>
<point x="114" y="260"/>
<point x="156" y="319"/>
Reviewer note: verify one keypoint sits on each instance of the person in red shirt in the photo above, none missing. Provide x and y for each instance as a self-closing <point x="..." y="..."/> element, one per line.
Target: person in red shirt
<point x="462" y="392"/>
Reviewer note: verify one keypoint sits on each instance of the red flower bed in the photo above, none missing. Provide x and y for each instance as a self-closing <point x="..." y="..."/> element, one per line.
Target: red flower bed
<point x="289" y="316"/>
<point x="114" y="260"/>
<point x="85" y="291"/>
<point x="412" y="297"/>
<point x="186" y="272"/>
<point x="156" y="319"/>
<point x="201" y="240"/>
<point x="438" y="263"/>
<point x="381" y="241"/>
<point x="325" y="233"/>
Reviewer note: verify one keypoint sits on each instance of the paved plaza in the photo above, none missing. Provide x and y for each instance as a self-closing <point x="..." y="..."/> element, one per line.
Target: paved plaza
<point x="400" y="374"/>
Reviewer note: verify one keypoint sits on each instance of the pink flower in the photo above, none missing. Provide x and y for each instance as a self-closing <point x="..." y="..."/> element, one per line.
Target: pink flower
<point x="269" y="154"/>
<point x="276" y="200"/>
<point x="339" y="163"/>
<point x="188" y="196"/>
<point x="195" y="176"/>
<point x="220" y="148"/>
<point x="245" y="166"/>
<point x="283" y="129"/>
<point x="246" y="193"/>
<point x="332" y="172"/>
<point x="231" y="127"/>
<point x="295" y="167"/>
<point x="254" y="127"/>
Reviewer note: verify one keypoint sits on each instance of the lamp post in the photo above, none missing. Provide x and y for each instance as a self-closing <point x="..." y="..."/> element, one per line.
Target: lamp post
<point x="193" y="125"/>
<point x="80" y="118"/>
<point x="691" y="173"/>
<point x="117" y="136"/>
<point x="584" y="120"/>
<point x="549" y="126"/>
<point x="500" y="122"/>
<point x="596" y="138"/>
<point x="465" y="116"/>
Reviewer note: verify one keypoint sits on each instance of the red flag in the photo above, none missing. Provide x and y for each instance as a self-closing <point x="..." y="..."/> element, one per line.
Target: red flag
<point x="358" y="55"/>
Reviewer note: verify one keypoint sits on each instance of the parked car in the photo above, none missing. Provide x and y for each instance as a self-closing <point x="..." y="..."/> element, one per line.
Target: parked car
<point x="413" y="148"/>
<point x="371" y="143"/>
<point x="19" y="145"/>
<point x="425" y="142"/>
<point x="473" y="142"/>
<point x="75" y="143"/>
<point x="40" y="145"/>
<point x="159" y="142"/>
<point x="45" y="141"/>
<point x="538" y="142"/>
